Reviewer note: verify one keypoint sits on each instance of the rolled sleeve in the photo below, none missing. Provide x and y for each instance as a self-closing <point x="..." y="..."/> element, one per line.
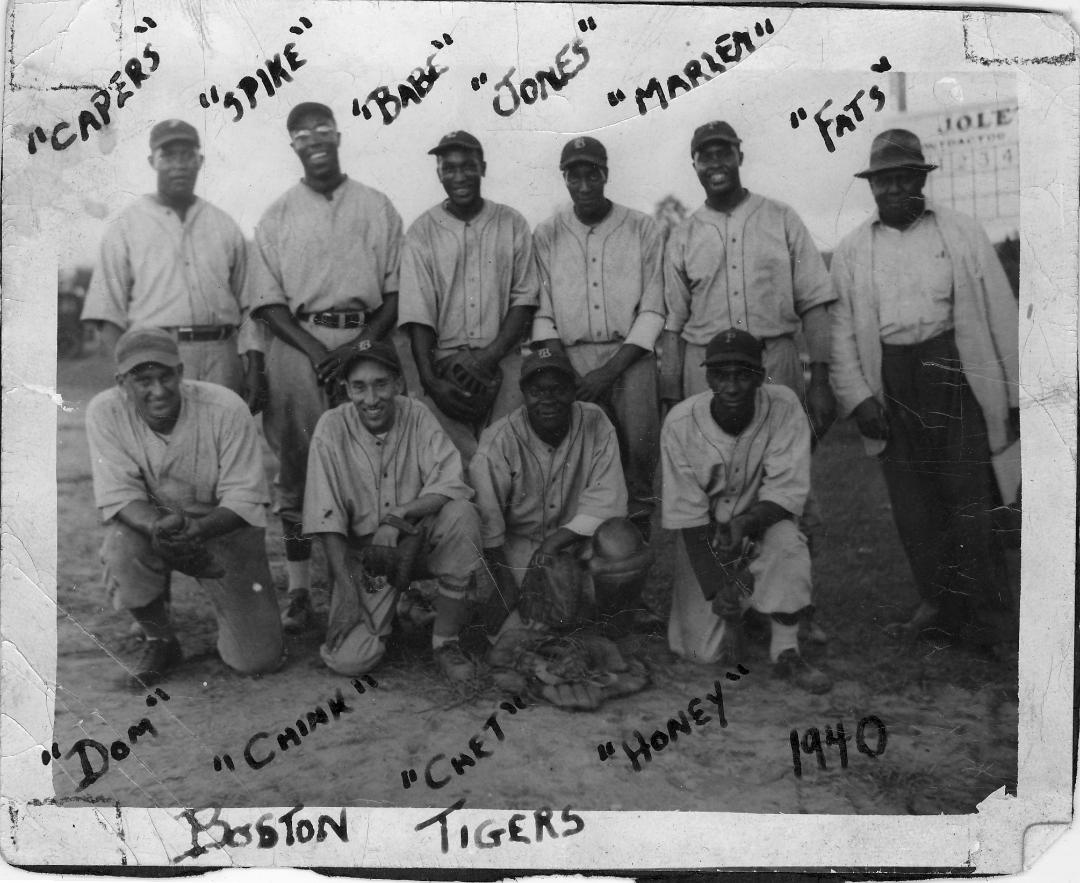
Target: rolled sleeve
<point x="489" y="475"/>
<point x="684" y="502"/>
<point x="525" y="287"/>
<point x="810" y="282"/>
<point x="242" y="483"/>
<point x="394" y="238"/>
<point x="645" y="330"/>
<point x="604" y="495"/>
<point x="325" y="509"/>
<point x="676" y="285"/>
<point x="441" y="464"/>
<point x="110" y="287"/>
<point x="584" y="525"/>
<point x="417" y="294"/>
<point x="264" y="286"/>
<point x="118" y="480"/>
<point x="786" y="464"/>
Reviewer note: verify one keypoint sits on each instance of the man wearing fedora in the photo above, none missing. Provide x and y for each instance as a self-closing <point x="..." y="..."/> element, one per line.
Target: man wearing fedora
<point x="173" y="260"/>
<point x="925" y="359"/>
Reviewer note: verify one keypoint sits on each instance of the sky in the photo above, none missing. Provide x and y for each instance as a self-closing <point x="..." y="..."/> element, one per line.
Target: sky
<point x="351" y="48"/>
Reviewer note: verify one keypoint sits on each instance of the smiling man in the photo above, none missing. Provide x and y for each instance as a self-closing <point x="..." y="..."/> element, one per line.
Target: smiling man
<point x="324" y="277"/>
<point x="468" y="291"/>
<point x="736" y="474"/>
<point x="382" y="472"/>
<point x="602" y="299"/>
<point x="178" y="479"/>
<point x="173" y="260"/>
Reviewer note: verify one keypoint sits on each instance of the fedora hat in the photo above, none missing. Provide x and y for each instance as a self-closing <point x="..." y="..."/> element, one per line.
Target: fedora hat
<point x="896" y="149"/>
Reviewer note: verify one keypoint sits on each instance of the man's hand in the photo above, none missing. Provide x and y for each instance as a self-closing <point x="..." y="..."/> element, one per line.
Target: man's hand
<point x="820" y="404"/>
<point x="347" y="611"/>
<point x="871" y="419"/>
<point x="326" y="371"/>
<point x="256" y="391"/>
<point x="595" y="385"/>
<point x="386" y="535"/>
<point x="731" y="541"/>
<point x="453" y="401"/>
<point x="178" y="541"/>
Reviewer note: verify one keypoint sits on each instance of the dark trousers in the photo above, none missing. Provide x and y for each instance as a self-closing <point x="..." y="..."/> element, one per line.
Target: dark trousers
<point x="941" y="486"/>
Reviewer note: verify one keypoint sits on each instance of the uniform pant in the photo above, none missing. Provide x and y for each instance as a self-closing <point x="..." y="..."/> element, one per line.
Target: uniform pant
<point x="939" y="476"/>
<point x="249" y="628"/>
<point x="215" y="361"/>
<point x="450" y="552"/>
<point x="633" y="406"/>
<point x="781" y="573"/>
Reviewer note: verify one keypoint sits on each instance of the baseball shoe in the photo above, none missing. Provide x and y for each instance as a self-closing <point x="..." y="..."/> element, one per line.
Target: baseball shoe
<point x="297" y="615"/>
<point x="453" y="663"/>
<point x="812" y="632"/>
<point x="158" y="656"/>
<point x="792" y="667"/>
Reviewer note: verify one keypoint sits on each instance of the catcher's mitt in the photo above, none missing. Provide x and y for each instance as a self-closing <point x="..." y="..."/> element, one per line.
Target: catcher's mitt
<point x="395" y="563"/>
<point x="479" y="386"/>
<point x="190" y="557"/>
<point x="552" y="591"/>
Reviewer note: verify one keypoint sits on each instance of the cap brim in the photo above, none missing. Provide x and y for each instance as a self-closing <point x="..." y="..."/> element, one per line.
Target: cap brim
<point x="169" y="139"/>
<point x="914" y="166"/>
<point x="732" y="359"/>
<point x="560" y="369"/>
<point x="591" y="160"/>
<point x="143" y="357"/>
<point x="712" y="139"/>
<point x="454" y="145"/>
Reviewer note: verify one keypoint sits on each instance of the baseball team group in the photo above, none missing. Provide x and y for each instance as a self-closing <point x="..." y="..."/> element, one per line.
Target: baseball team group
<point x="476" y="420"/>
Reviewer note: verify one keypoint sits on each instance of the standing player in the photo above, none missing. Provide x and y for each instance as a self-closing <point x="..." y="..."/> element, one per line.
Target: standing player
<point x="324" y="277"/>
<point x="602" y="296"/>
<point x="179" y="481"/>
<point x="925" y="358"/>
<point x="382" y="471"/>
<point x="175" y="261"/>
<point x="468" y="291"/>
<point x="744" y="261"/>
<point x="736" y="463"/>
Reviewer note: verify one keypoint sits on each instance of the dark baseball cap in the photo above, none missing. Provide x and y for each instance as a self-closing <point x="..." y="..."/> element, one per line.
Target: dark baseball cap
<point x="459" y="140"/>
<point x="717" y="130"/>
<point x="544" y="359"/>
<point x="380" y="351"/>
<point x="584" y="149"/>
<point x="307" y="108"/>
<point x="734" y="345"/>
<point x="138" y="346"/>
<point x="172" y="130"/>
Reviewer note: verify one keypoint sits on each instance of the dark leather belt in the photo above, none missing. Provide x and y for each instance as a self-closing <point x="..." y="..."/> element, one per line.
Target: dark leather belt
<point x="201" y="333"/>
<point x="334" y="318"/>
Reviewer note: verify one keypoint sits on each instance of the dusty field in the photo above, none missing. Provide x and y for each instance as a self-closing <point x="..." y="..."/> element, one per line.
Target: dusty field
<point x="951" y="716"/>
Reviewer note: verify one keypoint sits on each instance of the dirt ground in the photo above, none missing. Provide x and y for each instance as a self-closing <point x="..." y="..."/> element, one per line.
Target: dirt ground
<point x="950" y="714"/>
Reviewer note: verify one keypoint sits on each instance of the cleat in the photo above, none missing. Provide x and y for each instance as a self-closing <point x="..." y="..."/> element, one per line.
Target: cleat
<point x="158" y="657"/>
<point x="297" y="615"/>
<point x="792" y="667"/>
<point x="453" y="663"/>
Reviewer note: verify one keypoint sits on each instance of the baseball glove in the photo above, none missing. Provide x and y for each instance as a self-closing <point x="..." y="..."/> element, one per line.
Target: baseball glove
<point x="395" y="563"/>
<point x="552" y="591"/>
<point x="480" y="386"/>
<point x="190" y="557"/>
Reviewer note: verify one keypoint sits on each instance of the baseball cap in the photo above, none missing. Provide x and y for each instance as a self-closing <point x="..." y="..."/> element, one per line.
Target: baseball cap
<point x="584" y="149"/>
<point x="734" y="345"/>
<point x="172" y="130"/>
<point x="459" y="140"/>
<point x="307" y="108"/>
<point x="137" y="346"/>
<point x="717" y="130"/>
<point x="373" y="350"/>
<point x="543" y="359"/>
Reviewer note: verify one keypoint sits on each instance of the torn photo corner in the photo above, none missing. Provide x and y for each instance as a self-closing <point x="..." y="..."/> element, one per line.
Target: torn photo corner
<point x="887" y="198"/>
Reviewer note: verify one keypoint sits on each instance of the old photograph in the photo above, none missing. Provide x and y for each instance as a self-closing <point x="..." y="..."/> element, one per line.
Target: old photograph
<point x="480" y="428"/>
